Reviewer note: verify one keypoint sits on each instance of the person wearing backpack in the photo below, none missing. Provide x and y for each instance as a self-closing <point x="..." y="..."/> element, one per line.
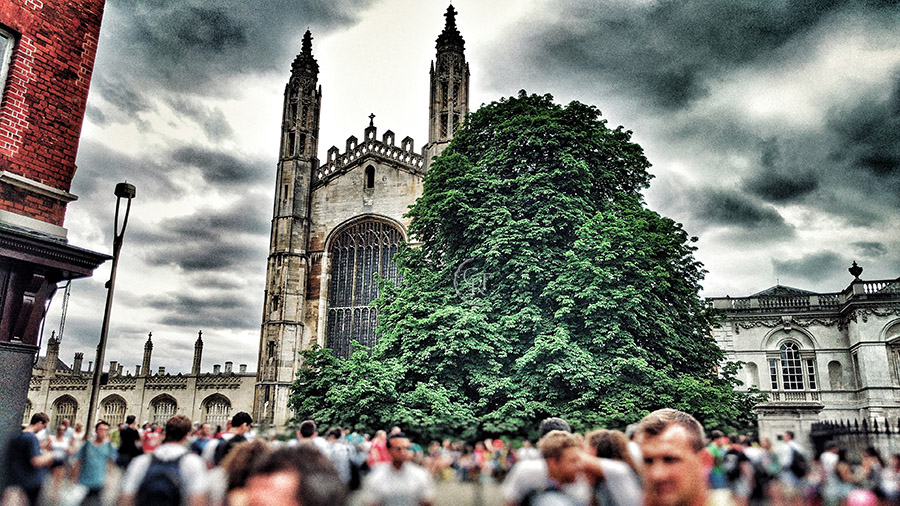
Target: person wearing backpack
<point x="794" y="465"/>
<point x="216" y="449"/>
<point x="170" y="476"/>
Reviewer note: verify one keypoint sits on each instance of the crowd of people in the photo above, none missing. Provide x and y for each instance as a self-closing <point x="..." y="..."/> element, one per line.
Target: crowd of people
<point x="665" y="460"/>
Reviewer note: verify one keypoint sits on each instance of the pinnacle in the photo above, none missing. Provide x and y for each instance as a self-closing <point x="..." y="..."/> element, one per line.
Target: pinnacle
<point x="450" y="38"/>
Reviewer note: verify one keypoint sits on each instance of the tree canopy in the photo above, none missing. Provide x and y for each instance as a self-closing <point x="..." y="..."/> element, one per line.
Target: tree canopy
<point x="542" y="286"/>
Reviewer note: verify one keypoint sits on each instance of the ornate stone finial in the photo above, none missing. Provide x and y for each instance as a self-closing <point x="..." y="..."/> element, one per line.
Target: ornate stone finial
<point x="149" y="337"/>
<point x="307" y="43"/>
<point x="855" y="270"/>
<point x="450" y="38"/>
<point x="305" y="61"/>
<point x="200" y="336"/>
<point x="372" y="119"/>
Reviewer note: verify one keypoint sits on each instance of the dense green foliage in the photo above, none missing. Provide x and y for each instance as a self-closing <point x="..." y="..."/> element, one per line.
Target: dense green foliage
<point x="542" y="287"/>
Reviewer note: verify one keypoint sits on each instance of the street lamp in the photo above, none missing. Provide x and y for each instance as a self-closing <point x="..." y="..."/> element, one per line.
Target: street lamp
<point x="126" y="191"/>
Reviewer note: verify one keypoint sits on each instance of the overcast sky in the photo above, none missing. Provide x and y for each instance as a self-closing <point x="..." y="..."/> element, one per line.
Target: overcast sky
<point x="773" y="129"/>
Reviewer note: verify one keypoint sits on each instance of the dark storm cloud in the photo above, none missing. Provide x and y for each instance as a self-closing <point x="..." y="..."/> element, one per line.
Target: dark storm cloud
<point x="868" y="140"/>
<point x="668" y="51"/>
<point x="871" y="249"/>
<point x="732" y="209"/>
<point x="778" y="181"/>
<point x="230" y="240"/>
<point x="210" y="119"/>
<point x="226" y="311"/>
<point x="217" y="167"/>
<point x="191" y="45"/>
<point x="813" y="267"/>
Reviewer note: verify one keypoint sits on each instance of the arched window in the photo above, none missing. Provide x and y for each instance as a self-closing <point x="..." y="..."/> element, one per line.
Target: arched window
<point x="64" y="408"/>
<point x="370" y="177"/>
<point x="216" y="410"/>
<point x="358" y="253"/>
<point x="793" y="370"/>
<point x="112" y="410"/>
<point x="161" y="409"/>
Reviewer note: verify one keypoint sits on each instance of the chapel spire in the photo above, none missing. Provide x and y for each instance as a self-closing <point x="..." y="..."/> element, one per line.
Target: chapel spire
<point x="305" y="63"/>
<point x="450" y="39"/>
<point x="449" y="88"/>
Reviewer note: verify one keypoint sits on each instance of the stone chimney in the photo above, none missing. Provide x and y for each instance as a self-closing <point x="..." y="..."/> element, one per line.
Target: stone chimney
<point x="137" y="370"/>
<point x="243" y="368"/>
<point x="216" y="369"/>
<point x="113" y="367"/>
<point x="148" y="350"/>
<point x="228" y="366"/>
<point x="120" y="370"/>
<point x="76" y="365"/>
<point x="198" y="352"/>
<point x="162" y="370"/>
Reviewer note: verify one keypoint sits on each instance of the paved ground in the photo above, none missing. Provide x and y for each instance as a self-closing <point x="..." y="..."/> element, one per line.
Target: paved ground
<point x="461" y="494"/>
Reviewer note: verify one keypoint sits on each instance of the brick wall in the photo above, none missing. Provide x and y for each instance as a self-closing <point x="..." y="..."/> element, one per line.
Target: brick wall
<point x="44" y="99"/>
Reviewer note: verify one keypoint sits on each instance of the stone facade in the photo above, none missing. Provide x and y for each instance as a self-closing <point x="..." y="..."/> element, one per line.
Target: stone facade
<point x="64" y="392"/>
<point x="818" y="356"/>
<point x="337" y="224"/>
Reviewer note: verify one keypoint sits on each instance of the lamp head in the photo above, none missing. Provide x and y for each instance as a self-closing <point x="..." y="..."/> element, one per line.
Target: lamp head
<point x="125" y="190"/>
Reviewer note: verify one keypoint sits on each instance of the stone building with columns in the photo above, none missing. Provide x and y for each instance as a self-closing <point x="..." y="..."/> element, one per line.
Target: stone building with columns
<point x="337" y="224"/>
<point x="819" y="356"/>
<point x="63" y="391"/>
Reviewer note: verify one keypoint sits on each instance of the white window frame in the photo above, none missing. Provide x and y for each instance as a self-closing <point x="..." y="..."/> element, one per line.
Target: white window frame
<point x="7" y="44"/>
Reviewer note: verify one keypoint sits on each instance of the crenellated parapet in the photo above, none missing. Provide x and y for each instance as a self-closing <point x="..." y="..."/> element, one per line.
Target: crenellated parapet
<point x="166" y="382"/>
<point x="385" y="150"/>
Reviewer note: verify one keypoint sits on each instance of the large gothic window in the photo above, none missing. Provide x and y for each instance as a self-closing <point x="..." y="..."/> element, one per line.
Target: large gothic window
<point x="113" y="409"/>
<point x="162" y="408"/>
<point x="65" y="408"/>
<point x="216" y="409"/>
<point x="357" y="254"/>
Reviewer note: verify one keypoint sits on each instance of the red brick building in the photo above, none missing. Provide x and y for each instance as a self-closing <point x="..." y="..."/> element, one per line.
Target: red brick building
<point x="47" y="50"/>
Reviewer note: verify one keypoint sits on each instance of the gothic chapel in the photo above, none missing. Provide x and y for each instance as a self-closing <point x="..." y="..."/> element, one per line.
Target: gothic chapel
<point x="338" y="223"/>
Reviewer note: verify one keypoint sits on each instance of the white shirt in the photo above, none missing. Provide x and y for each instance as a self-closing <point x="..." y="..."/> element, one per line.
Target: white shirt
<point x="529" y="475"/>
<point x="387" y="486"/>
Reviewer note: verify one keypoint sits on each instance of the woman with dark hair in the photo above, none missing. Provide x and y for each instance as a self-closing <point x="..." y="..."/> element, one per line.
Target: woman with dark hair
<point x="612" y="445"/>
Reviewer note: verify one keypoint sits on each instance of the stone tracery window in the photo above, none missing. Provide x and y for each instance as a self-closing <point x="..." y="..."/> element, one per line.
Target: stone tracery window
<point x="357" y="254"/>
<point x="216" y="410"/>
<point x="113" y="409"/>
<point x="162" y="408"/>
<point x="65" y="408"/>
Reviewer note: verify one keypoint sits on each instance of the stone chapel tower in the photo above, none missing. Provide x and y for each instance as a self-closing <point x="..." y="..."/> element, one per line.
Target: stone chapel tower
<point x="282" y="331"/>
<point x="337" y="225"/>
<point x="449" y="88"/>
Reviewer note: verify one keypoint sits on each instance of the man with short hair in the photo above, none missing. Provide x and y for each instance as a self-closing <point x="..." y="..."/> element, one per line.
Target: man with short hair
<point x="672" y="443"/>
<point x="130" y="442"/>
<point x="94" y="462"/>
<point x="204" y="436"/>
<point x="25" y="462"/>
<point x="216" y="449"/>
<point x="399" y="482"/>
<point x="294" y="476"/>
<point x="308" y="433"/>
<point x="528" y="477"/>
<point x="191" y="471"/>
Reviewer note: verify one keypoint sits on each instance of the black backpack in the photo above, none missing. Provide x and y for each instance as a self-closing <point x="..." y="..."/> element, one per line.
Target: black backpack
<point x="161" y="485"/>
<point x="799" y="466"/>
<point x="223" y="447"/>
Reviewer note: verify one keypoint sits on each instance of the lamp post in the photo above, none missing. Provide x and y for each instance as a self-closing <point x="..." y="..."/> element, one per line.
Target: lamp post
<point x="126" y="191"/>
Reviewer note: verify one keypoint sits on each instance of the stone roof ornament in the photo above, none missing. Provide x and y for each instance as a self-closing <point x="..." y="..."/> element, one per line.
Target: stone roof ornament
<point x="372" y="119"/>
<point x="305" y="62"/>
<point x="450" y="38"/>
<point x="855" y="271"/>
